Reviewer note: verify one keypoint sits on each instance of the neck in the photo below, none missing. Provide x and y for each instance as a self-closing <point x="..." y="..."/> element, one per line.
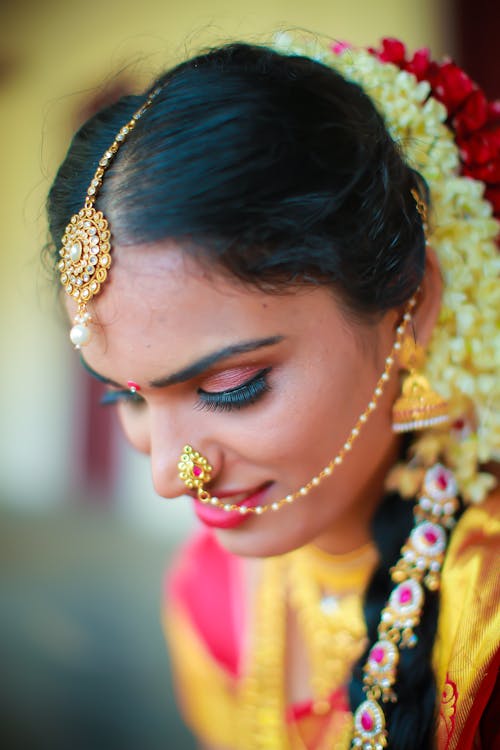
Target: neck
<point x="354" y="528"/>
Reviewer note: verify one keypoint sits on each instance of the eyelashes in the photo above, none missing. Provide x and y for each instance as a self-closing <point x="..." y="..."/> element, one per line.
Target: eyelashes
<point x="235" y="398"/>
<point x="232" y="399"/>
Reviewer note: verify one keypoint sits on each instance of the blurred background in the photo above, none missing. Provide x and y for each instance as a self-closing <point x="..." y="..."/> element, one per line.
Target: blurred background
<point x="84" y="542"/>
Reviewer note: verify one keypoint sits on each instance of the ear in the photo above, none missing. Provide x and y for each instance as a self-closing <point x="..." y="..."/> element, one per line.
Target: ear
<point x="426" y="313"/>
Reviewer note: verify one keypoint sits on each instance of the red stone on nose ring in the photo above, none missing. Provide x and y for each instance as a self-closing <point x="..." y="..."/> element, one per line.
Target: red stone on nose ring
<point x="194" y="469"/>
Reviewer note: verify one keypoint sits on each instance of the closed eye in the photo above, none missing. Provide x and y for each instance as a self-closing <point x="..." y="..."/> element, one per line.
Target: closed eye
<point x="235" y="398"/>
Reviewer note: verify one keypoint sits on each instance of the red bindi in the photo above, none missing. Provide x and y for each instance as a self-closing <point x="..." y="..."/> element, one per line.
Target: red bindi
<point x="134" y="387"/>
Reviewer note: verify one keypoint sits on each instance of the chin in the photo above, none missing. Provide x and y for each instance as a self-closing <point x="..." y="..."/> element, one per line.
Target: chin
<point x="259" y="537"/>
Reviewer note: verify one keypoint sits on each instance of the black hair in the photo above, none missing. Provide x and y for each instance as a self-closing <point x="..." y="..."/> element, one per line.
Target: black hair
<point x="273" y="165"/>
<point x="277" y="170"/>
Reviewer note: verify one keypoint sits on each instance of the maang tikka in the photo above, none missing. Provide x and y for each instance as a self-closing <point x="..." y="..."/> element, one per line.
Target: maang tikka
<point x="85" y="253"/>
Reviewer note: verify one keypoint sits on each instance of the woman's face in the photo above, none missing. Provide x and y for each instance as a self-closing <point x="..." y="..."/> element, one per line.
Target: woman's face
<point x="266" y="387"/>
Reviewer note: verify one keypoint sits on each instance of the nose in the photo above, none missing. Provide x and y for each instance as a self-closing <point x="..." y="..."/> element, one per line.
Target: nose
<point x="167" y="440"/>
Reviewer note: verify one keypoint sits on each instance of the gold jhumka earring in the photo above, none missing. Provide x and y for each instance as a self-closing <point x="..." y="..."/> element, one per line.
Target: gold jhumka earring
<point x="419" y="406"/>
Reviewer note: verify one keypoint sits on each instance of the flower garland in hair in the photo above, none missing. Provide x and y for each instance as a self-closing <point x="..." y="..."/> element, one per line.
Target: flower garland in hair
<point x="450" y="134"/>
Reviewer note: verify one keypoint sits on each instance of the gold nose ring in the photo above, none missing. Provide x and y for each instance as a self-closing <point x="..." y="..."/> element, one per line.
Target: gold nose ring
<point x="194" y="469"/>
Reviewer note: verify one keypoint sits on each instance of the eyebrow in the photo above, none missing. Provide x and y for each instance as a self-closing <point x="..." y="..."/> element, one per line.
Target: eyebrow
<point x="98" y="376"/>
<point x="199" y="366"/>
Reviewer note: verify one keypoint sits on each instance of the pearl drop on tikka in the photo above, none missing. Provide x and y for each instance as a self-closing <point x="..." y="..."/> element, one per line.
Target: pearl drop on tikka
<point x="80" y="335"/>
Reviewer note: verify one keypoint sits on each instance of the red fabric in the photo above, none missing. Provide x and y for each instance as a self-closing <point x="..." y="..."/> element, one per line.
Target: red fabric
<point x="206" y="581"/>
<point x="480" y="719"/>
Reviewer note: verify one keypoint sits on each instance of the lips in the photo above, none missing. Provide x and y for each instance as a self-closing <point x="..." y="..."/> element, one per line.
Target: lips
<point x="218" y="518"/>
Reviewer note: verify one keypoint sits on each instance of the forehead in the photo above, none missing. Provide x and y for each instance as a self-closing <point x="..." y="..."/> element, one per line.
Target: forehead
<point x="162" y="286"/>
<point x="161" y="308"/>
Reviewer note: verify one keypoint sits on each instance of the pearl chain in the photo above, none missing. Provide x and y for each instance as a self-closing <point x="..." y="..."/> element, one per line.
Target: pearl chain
<point x="205" y="497"/>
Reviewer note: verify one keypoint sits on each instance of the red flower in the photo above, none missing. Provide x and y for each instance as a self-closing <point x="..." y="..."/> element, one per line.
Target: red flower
<point x="489" y="173"/>
<point x="481" y="147"/>
<point x="419" y="64"/>
<point x="474" y="121"/>
<point x="492" y="194"/>
<point x="392" y="51"/>
<point x="451" y="85"/>
<point x="494" y="110"/>
<point x="473" y="115"/>
<point x="340" y="46"/>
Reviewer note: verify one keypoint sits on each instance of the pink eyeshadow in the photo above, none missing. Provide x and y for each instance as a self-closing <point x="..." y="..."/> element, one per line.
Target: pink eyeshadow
<point x="232" y="378"/>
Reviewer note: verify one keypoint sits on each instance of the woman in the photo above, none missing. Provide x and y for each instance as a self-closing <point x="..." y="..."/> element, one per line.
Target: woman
<point x="266" y="221"/>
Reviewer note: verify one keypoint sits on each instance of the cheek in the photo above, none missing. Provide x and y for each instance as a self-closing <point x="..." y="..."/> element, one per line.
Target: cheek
<point x="135" y="423"/>
<point x="304" y="421"/>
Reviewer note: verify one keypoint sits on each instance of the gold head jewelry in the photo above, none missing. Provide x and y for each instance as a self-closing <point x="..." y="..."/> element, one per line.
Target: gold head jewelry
<point x="194" y="469"/>
<point x="85" y="253"/>
<point x="419" y="406"/>
<point x="422" y="210"/>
